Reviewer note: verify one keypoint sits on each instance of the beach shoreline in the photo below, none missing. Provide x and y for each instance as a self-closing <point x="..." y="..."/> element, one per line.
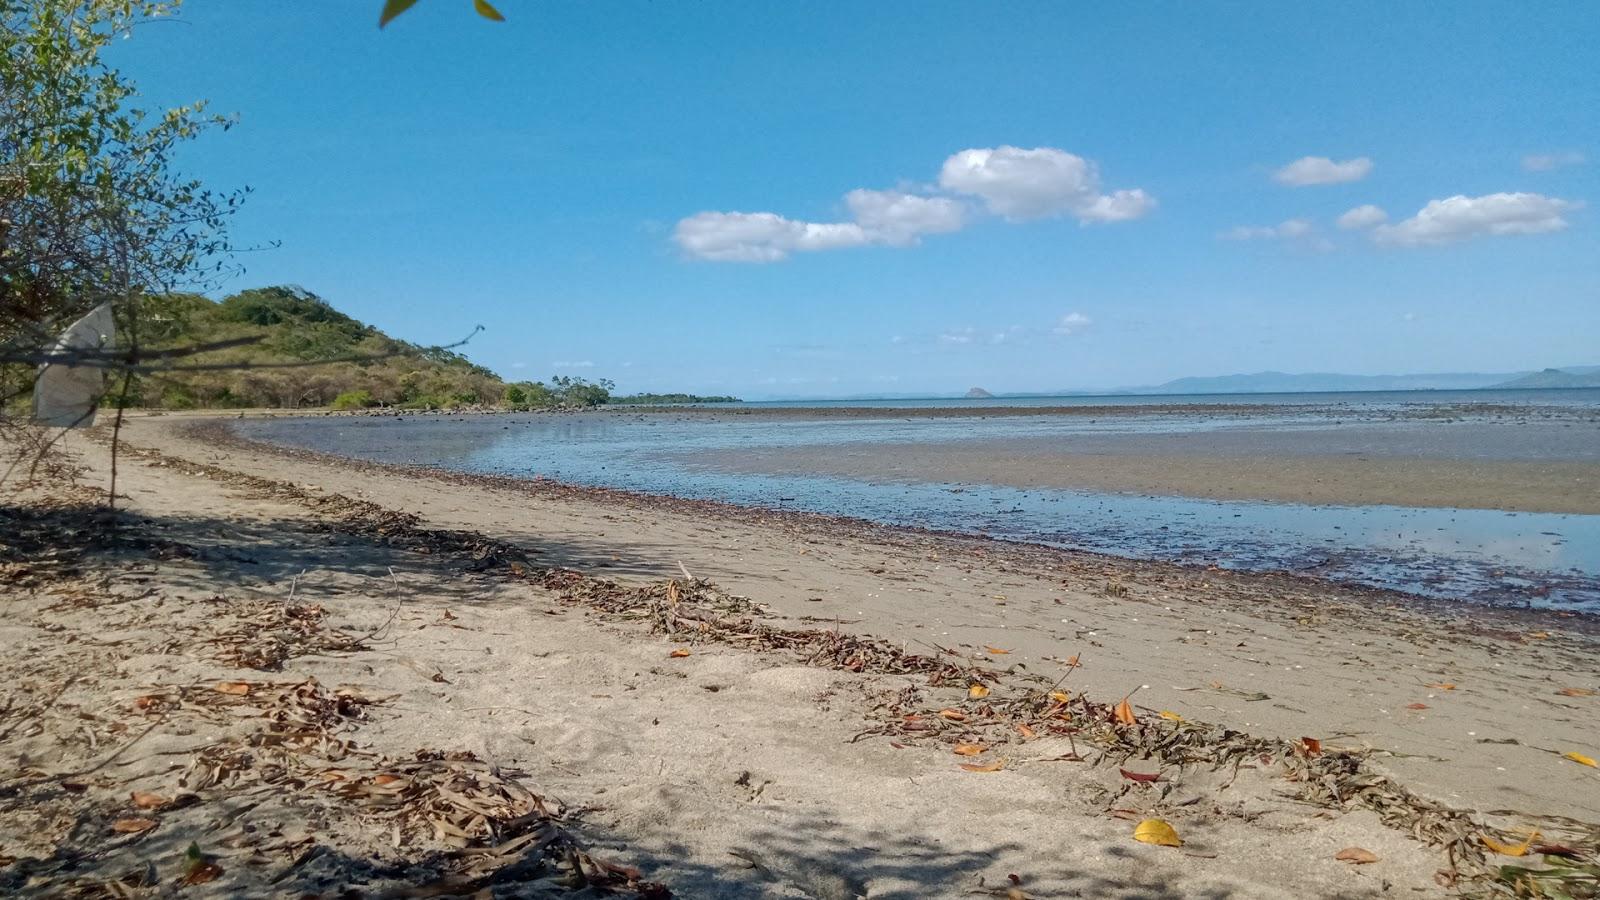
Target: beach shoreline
<point x="793" y="766"/>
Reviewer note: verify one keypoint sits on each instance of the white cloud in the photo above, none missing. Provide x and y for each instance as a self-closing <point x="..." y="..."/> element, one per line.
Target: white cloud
<point x="1544" y="162"/>
<point x="960" y="336"/>
<point x="519" y="365"/>
<point x="898" y="218"/>
<point x="1459" y="218"/>
<point x="1011" y="182"/>
<point x="761" y="237"/>
<point x="1073" y="323"/>
<point x="1022" y="184"/>
<point x="1364" y="216"/>
<point x="1290" y="228"/>
<point x="1309" y="170"/>
<point x="581" y="364"/>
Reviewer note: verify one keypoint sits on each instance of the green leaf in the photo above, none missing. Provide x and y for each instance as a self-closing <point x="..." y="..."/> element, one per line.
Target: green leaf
<point x="392" y="8"/>
<point x="487" y="11"/>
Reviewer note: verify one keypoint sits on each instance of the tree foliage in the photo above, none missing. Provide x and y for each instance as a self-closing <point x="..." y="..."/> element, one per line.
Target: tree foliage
<point x="91" y="208"/>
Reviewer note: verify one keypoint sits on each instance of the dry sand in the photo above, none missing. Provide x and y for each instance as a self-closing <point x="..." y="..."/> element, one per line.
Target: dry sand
<point x="731" y="772"/>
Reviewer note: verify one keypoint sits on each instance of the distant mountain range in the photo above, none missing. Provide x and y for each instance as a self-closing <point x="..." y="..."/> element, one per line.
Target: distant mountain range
<point x="1281" y="382"/>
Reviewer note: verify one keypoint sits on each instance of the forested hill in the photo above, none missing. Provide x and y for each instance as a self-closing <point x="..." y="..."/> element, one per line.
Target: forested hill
<point x="307" y="354"/>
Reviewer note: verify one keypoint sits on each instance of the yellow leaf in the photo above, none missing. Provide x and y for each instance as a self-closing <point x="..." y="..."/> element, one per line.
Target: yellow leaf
<point x="1509" y="849"/>
<point x="487" y="11"/>
<point x="1442" y="685"/>
<point x="392" y="8"/>
<point x="1539" y="635"/>
<point x="132" y="825"/>
<point x="995" y="650"/>
<point x="1170" y="716"/>
<point x="970" y="749"/>
<point x="1157" y="831"/>
<point x="235" y="688"/>
<point x="977" y="692"/>
<point x="1060" y="697"/>
<point x="679" y="653"/>
<point x="991" y="767"/>
<point x="954" y="715"/>
<point x="1580" y="759"/>
<point x="1124" y="713"/>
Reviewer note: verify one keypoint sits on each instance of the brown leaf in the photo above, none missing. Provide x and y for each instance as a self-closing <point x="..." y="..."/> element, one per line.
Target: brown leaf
<point x="1025" y="731"/>
<point x="991" y="767"/>
<point x="1416" y="706"/>
<point x="202" y="872"/>
<point x="1141" y="777"/>
<point x="1359" y="856"/>
<point x="679" y="653"/>
<point x="1442" y="685"/>
<point x="1575" y="692"/>
<point x="954" y="715"/>
<point x="1312" y="746"/>
<point x="148" y="801"/>
<point x="970" y="749"/>
<point x="1124" y="713"/>
<point x="232" y="688"/>
<point x="977" y="692"/>
<point x="995" y="650"/>
<point x="133" y="825"/>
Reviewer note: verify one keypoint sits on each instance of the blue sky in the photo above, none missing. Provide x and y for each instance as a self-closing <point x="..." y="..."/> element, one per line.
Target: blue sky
<point x="1052" y="195"/>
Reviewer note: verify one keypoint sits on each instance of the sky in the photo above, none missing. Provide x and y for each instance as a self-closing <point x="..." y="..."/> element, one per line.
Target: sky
<point x="838" y="198"/>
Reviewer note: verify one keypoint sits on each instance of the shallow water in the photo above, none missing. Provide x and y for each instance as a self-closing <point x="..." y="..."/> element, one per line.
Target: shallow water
<point x="1480" y="556"/>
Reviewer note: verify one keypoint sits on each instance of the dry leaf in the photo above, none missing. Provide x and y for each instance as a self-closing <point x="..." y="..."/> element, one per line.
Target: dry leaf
<point x="1442" y="685"/>
<point x="1060" y="697"/>
<point x="1416" y="706"/>
<point x="1157" y="831"/>
<point x="1538" y="635"/>
<point x="1124" y="713"/>
<point x="1170" y="716"/>
<point x="234" y="688"/>
<point x="1575" y="692"/>
<point x="991" y="767"/>
<point x="1580" y="759"/>
<point x="132" y="825"/>
<point x="995" y="650"/>
<point x="1312" y="746"/>
<point x="1358" y="855"/>
<point x="970" y="749"/>
<point x="679" y="653"/>
<point x="977" y="692"/>
<point x="1072" y="661"/>
<point x="1141" y="777"/>
<point x="200" y="873"/>
<point x="1025" y="731"/>
<point x="148" y="801"/>
<point x="954" y="715"/>
<point x="1509" y="849"/>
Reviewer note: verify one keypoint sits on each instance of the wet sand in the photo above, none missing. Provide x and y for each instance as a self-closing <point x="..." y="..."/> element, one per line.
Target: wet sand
<point x="1144" y="465"/>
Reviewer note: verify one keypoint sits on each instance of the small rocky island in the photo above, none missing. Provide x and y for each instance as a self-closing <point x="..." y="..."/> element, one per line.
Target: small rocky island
<point x="978" y="393"/>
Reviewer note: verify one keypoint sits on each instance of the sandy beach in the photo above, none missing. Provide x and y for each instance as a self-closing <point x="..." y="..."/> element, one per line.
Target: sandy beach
<point x="724" y="765"/>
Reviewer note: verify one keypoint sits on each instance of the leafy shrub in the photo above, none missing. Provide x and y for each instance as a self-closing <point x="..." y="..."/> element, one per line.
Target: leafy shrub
<point x="354" y="400"/>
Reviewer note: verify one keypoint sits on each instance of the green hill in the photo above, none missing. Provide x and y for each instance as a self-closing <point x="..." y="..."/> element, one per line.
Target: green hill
<point x="306" y="354"/>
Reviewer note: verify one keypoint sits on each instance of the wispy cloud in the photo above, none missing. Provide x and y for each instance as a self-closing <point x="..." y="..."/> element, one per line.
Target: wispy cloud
<point x="580" y="364"/>
<point x="1544" y="162"/>
<point x="1365" y="216"/>
<point x="1313" y="170"/>
<point x="1072" y="323"/>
